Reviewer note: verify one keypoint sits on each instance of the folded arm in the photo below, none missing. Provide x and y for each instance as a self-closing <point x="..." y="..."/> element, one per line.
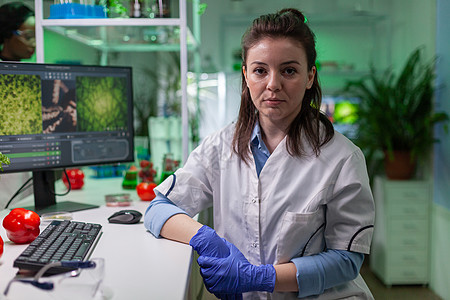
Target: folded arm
<point x="309" y="275"/>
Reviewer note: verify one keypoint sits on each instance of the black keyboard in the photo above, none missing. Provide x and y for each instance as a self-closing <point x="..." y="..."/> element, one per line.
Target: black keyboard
<point x="60" y="240"/>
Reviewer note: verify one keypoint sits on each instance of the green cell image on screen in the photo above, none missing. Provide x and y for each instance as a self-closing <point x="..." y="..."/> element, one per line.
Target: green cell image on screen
<point x="101" y="103"/>
<point x="20" y="104"/>
<point x="345" y="112"/>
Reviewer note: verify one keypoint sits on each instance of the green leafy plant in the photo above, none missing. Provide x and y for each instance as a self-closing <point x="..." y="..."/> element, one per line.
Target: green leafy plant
<point x="202" y="8"/>
<point x="115" y="8"/>
<point x="4" y="160"/>
<point x="396" y="113"/>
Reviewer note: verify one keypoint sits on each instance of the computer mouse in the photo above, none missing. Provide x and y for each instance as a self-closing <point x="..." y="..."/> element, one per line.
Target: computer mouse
<point x="127" y="216"/>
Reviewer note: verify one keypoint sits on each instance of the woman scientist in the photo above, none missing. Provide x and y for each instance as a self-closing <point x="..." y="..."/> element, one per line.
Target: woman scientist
<point x="291" y="196"/>
<point x="17" y="32"/>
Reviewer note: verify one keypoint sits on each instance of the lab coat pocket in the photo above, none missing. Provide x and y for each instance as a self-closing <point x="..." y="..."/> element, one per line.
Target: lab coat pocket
<point x="300" y="234"/>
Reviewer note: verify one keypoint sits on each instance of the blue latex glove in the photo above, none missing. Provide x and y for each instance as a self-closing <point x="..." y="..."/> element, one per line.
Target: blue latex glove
<point x="234" y="274"/>
<point x="207" y="243"/>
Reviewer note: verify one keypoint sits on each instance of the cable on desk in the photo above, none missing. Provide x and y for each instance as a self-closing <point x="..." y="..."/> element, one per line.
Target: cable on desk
<point x="20" y="190"/>
<point x="68" y="189"/>
<point x="25" y="186"/>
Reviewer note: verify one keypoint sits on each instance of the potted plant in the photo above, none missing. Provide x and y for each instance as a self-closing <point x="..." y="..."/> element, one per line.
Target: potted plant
<point x="396" y="115"/>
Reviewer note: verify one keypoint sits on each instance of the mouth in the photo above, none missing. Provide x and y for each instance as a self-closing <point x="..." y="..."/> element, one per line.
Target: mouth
<point x="273" y="101"/>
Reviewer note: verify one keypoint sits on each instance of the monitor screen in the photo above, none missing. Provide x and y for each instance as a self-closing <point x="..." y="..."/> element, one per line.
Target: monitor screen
<point x="342" y="112"/>
<point x="62" y="116"/>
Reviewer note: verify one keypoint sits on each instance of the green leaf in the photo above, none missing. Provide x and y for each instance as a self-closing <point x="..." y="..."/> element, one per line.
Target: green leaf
<point x="202" y="8"/>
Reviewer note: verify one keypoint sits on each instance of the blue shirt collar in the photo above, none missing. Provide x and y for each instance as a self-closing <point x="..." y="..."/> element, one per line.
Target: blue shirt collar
<point x="257" y="141"/>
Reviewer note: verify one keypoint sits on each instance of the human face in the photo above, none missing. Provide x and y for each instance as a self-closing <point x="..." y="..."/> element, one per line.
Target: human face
<point x="22" y="43"/>
<point x="277" y="75"/>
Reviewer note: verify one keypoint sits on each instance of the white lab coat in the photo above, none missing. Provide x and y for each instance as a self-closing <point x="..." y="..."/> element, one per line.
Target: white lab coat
<point x="297" y="206"/>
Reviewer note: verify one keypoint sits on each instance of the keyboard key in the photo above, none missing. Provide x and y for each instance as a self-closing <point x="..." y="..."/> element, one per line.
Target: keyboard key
<point x="82" y="251"/>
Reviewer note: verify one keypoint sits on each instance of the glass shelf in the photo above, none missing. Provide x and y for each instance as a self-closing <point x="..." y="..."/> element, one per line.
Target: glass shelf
<point x="344" y="73"/>
<point x="112" y="22"/>
<point x="124" y="38"/>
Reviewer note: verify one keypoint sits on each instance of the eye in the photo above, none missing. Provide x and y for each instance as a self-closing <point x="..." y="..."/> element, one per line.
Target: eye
<point x="259" y="71"/>
<point x="289" y="71"/>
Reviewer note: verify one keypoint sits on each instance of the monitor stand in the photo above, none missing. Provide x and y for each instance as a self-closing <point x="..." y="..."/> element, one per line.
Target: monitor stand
<point x="45" y="199"/>
<point x="64" y="206"/>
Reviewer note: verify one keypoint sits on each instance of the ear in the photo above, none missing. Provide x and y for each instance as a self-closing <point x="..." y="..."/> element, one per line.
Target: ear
<point x="244" y="71"/>
<point x="311" y="75"/>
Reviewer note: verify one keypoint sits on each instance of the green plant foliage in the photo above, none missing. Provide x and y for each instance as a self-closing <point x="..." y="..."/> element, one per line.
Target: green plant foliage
<point x="101" y="103"/>
<point x="115" y="7"/>
<point x="20" y="104"/>
<point x="396" y="112"/>
<point x="4" y="160"/>
<point x="345" y="112"/>
<point x="202" y="8"/>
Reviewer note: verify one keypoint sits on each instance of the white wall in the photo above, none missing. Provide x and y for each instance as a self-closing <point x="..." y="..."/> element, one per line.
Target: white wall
<point x="413" y="25"/>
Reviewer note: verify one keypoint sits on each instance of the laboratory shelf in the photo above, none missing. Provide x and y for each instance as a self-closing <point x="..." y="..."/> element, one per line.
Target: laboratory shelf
<point x="140" y="38"/>
<point x="112" y="22"/>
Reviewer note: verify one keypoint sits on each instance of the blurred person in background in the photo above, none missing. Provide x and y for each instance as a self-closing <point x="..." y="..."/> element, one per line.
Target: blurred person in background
<point x="17" y="32"/>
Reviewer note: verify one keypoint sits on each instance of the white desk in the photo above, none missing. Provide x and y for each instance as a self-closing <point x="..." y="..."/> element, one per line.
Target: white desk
<point x="137" y="265"/>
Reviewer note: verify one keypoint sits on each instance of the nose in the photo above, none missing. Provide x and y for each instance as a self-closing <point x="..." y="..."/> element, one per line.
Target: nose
<point x="274" y="82"/>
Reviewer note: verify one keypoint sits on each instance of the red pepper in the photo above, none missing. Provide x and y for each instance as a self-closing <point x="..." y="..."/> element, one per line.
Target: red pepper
<point x="22" y="225"/>
<point x="1" y="246"/>
<point x="76" y="178"/>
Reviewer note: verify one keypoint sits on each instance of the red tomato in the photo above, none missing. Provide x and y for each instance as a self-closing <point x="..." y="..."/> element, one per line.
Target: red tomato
<point x="145" y="191"/>
<point x="22" y="225"/>
<point x="1" y="246"/>
<point x="76" y="178"/>
<point x="144" y="163"/>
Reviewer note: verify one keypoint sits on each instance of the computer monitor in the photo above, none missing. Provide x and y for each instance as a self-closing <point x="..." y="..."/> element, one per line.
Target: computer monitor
<point x="55" y="116"/>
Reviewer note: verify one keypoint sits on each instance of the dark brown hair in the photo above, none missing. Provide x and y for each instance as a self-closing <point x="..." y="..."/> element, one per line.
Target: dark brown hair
<point x="287" y="23"/>
<point x="12" y="15"/>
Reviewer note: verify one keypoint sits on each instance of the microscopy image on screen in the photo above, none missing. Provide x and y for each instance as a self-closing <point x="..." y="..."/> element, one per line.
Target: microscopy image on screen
<point x="101" y="103"/>
<point x="59" y="107"/>
<point x="20" y="104"/>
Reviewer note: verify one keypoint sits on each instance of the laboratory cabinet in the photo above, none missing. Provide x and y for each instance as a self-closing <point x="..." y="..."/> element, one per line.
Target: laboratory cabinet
<point x="400" y="246"/>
